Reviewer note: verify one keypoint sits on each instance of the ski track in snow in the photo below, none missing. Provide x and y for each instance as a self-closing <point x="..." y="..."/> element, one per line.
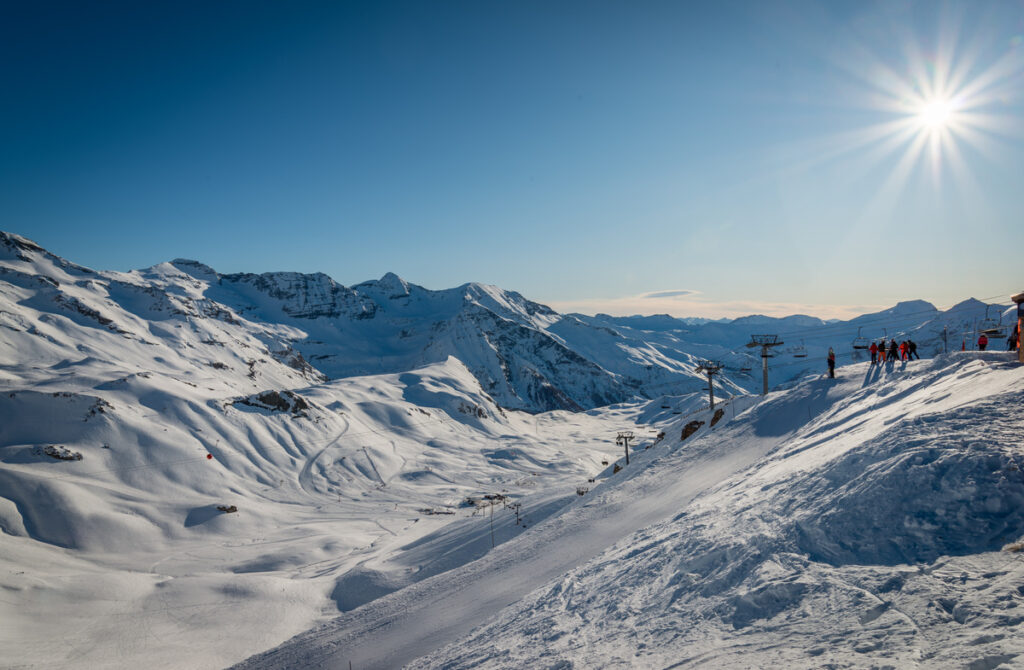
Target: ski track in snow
<point x="306" y="474"/>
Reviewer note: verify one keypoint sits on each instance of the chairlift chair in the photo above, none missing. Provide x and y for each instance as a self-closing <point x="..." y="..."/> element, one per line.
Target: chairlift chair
<point x="801" y="351"/>
<point x="860" y="342"/>
<point x="993" y="328"/>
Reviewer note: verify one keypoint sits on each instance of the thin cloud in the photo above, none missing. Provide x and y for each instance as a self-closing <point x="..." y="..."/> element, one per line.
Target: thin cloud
<point x="675" y="293"/>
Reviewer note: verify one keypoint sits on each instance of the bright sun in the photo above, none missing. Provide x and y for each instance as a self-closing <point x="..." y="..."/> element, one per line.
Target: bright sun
<point x="936" y="113"/>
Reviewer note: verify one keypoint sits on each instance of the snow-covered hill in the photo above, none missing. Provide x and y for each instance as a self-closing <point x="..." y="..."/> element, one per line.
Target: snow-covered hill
<point x="182" y="452"/>
<point x="859" y="522"/>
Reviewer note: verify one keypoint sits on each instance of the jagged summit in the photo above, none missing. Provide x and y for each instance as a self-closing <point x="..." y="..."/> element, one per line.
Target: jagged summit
<point x="195" y="268"/>
<point x="389" y="286"/>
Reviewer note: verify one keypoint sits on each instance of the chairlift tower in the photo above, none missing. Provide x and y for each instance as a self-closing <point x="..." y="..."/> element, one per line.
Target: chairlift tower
<point x="766" y="342"/>
<point x="710" y="368"/>
<point x="623" y="438"/>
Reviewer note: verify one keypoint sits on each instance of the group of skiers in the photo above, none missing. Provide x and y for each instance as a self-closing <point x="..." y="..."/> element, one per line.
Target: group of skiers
<point x="904" y="351"/>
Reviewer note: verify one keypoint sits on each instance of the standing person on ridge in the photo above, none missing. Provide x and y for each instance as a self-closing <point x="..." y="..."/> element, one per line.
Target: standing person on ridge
<point x="893" y="351"/>
<point x="982" y="342"/>
<point x="881" y="352"/>
<point x="912" y="349"/>
<point x="903" y="350"/>
<point x="874" y="353"/>
<point x="831" y="363"/>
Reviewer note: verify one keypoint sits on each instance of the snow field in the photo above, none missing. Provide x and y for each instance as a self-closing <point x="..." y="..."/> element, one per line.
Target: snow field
<point x="870" y="537"/>
<point x="126" y="553"/>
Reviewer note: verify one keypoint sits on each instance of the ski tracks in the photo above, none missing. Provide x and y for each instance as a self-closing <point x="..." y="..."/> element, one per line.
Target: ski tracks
<point x="306" y="474"/>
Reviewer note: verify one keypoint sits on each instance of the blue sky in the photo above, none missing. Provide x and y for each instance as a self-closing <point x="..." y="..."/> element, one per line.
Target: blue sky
<point x="698" y="159"/>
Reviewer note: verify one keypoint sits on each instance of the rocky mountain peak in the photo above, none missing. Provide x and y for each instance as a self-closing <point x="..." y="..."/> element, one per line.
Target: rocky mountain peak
<point x="194" y="268"/>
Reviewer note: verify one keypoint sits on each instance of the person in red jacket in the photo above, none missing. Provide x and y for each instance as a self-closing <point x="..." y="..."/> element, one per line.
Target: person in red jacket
<point x="903" y="350"/>
<point x="982" y="342"/>
<point x="874" y="353"/>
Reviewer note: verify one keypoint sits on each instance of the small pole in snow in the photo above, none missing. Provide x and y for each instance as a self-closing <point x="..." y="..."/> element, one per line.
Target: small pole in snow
<point x="492" y="524"/>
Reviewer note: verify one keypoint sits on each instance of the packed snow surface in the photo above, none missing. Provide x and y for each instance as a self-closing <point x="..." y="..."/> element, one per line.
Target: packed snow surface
<point x="856" y="522"/>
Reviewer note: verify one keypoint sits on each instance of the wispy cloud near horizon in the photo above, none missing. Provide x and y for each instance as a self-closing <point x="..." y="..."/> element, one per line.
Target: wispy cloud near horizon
<point x="675" y="293"/>
<point x="691" y="303"/>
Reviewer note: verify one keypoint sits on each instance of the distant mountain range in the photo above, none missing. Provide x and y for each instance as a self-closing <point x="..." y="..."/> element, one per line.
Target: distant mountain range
<point x="286" y="329"/>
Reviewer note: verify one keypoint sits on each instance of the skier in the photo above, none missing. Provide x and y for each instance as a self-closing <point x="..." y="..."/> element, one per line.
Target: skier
<point x="874" y="353"/>
<point x="893" y="351"/>
<point x="903" y="350"/>
<point x="1011" y="341"/>
<point x="831" y="363"/>
<point x="912" y="349"/>
<point x="881" y="352"/>
<point x="982" y="342"/>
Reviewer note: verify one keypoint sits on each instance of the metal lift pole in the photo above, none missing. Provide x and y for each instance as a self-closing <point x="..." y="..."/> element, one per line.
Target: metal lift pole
<point x="710" y="369"/>
<point x="765" y="342"/>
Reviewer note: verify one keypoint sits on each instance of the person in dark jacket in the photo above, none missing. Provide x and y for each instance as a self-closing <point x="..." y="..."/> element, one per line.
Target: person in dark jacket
<point x="881" y="352"/>
<point x="912" y="349"/>
<point x="831" y="363"/>
<point x="1011" y="341"/>
<point x="894" y="351"/>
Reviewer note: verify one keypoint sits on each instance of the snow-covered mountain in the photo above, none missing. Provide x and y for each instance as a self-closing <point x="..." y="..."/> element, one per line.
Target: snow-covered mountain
<point x="321" y="329"/>
<point x="524" y="355"/>
<point x="182" y="452"/>
<point x="875" y="520"/>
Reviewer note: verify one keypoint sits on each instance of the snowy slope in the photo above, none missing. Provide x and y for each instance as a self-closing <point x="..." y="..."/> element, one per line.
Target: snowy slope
<point x="848" y="523"/>
<point x="127" y="553"/>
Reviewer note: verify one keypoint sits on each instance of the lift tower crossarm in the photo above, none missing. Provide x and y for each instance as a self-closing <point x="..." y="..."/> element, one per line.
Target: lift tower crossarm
<point x="766" y="342"/>
<point x="710" y="368"/>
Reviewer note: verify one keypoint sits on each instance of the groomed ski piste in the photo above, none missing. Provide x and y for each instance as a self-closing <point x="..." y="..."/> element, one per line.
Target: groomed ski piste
<point x="873" y="520"/>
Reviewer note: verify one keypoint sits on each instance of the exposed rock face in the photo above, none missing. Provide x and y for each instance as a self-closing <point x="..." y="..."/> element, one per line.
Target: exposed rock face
<point x="690" y="428"/>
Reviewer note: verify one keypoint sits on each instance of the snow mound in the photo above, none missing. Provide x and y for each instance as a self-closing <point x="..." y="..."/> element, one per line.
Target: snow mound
<point x="933" y="487"/>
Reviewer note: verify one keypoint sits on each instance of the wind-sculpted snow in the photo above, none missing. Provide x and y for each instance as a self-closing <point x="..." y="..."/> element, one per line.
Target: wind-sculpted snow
<point x="870" y="537"/>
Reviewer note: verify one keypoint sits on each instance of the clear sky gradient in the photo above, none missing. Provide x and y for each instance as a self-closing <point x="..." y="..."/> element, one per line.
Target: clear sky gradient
<point x="700" y="159"/>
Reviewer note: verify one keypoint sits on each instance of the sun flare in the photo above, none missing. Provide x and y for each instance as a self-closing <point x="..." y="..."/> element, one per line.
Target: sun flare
<point x="937" y="113"/>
